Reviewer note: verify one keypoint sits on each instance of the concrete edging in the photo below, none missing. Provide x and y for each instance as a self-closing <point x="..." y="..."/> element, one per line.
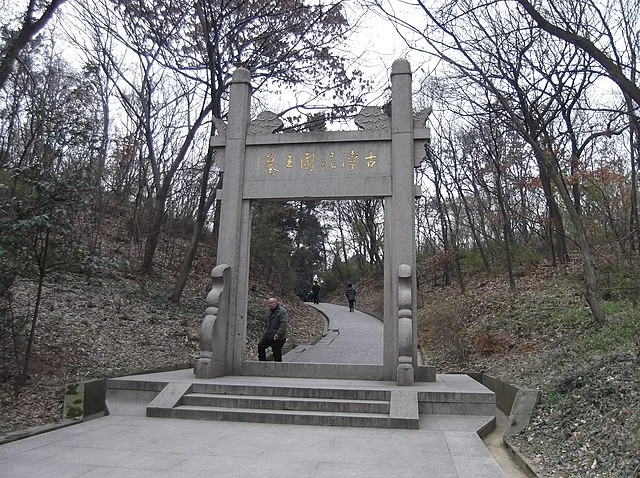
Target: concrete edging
<point x="519" y="459"/>
<point x="30" y="432"/>
<point x="518" y="404"/>
<point x="83" y="401"/>
<point x="325" y="326"/>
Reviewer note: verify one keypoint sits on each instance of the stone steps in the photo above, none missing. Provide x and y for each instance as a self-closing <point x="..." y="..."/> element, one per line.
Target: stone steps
<point x="290" y="417"/>
<point x="345" y="403"/>
<point x="285" y="403"/>
<point x="339" y="393"/>
<point x="346" y="407"/>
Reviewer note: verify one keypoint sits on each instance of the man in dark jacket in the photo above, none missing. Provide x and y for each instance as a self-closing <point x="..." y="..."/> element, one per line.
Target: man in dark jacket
<point x="351" y="296"/>
<point x="315" y="291"/>
<point x="276" y="333"/>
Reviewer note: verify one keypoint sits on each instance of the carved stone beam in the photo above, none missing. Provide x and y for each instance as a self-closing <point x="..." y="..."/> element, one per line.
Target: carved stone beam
<point x="211" y="362"/>
<point x="405" y="326"/>
<point x="266" y="122"/>
<point x="372" y="118"/>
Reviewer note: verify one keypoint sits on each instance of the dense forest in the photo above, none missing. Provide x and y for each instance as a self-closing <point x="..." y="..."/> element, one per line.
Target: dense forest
<point x="107" y="106"/>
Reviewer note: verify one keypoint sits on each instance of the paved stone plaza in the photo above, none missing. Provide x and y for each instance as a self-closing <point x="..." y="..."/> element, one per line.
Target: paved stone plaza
<point x="127" y="443"/>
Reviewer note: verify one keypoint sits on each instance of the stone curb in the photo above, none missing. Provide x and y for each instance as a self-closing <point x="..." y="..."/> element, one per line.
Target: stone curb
<point x="325" y="325"/>
<point x="519" y="459"/>
<point x="30" y="432"/>
<point x="91" y="402"/>
<point x="518" y="404"/>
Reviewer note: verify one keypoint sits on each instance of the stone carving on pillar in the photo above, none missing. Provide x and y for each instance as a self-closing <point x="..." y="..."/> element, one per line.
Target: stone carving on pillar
<point x="221" y="126"/>
<point x="420" y="118"/>
<point x="266" y="122"/>
<point x="211" y="362"/>
<point x="372" y="118"/>
<point x="405" y="326"/>
<point x="420" y="122"/>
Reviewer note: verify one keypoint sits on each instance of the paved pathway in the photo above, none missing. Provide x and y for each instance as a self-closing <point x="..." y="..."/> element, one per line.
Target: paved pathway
<point x="137" y="446"/>
<point x="128" y="444"/>
<point x="352" y="337"/>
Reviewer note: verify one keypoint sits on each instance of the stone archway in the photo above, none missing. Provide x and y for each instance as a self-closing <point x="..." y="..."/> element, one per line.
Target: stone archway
<point x="377" y="161"/>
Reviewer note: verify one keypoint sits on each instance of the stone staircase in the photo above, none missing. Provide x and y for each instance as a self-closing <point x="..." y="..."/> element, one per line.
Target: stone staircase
<point x="301" y="402"/>
<point x="343" y="407"/>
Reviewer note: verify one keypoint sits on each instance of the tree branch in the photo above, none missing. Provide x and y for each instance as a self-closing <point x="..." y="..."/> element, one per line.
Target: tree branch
<point x="613" y="69"/>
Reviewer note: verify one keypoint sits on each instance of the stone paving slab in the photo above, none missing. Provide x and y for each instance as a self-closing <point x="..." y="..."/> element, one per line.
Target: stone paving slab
<point x="140" y="446"/>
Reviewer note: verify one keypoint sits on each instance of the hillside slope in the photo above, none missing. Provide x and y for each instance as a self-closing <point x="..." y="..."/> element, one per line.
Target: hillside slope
<point x="541" y="336"/>
<point x="111" y="326"/>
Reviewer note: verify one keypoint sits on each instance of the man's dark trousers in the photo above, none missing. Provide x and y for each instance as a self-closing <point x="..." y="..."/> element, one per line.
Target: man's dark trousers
<point x="276" y="347"/>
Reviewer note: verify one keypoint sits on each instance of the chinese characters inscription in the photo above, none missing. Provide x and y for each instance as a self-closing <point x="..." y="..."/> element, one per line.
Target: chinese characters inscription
<point x="310" y="161"/>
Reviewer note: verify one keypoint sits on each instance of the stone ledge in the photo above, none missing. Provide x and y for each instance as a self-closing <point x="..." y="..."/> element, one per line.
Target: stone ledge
<point x="315" y="370"/>
<point x="30" y="432"/>
<point x="518" y="404"/>
<point x="520" y="460"/>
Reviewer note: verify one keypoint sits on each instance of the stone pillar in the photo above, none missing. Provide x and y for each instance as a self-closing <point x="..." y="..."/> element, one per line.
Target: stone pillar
<point x="399" y="217"/>
<point x="235" y="217"/>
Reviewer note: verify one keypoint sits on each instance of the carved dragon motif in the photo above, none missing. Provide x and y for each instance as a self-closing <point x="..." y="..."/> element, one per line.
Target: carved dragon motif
<point x="266" y="122"/>
<point x="372" y="118"/>
<point x="420" y="118"/>
<point x="221" y="126"/>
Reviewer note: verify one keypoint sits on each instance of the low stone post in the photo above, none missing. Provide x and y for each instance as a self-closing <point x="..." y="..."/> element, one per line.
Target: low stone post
<point x="405" y="326"/>
<point x="213" y="341"/>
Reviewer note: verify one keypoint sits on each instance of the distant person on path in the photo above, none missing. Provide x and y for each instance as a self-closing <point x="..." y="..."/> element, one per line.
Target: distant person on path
<point x="351" y="296"/>
<point x="315" y="291"/>
<point x="276" y="333"/>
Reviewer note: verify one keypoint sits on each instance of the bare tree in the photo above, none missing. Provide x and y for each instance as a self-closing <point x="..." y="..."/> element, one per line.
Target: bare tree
<point x="31" y="21"/>
<point x="562" y="24"/>
<point x="280" y="43"/>
<point x="478" y="49"/>
<point x="607" y="33"/>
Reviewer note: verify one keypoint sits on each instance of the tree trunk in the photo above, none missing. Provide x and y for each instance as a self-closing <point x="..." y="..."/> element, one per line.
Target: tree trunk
<point x="557" y="237"/>
<point x="482" y="225"/>
<point x="187" y="263"/>
<point x="155" y="228"/>
<point x="634" y="146"/>
<point x="42" y="262"/>
<point x="205" y="202"/>
<point x="591" y="277"/>
<point x="29" y="29"/>
<point x="506" y="237"/>
<point x="473" y="228"/>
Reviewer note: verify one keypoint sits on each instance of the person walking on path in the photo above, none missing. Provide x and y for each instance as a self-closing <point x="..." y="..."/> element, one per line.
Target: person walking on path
<point x="351" y="296"/>
<point x="276" y="333"/>
<point x="315" y="290"/>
